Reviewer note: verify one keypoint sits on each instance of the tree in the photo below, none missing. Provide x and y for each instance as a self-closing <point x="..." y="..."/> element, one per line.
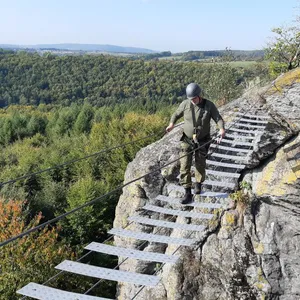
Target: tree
<point x="284" y="50"/>
<point x="222" y="85"/>
<point x="31" y="258"/>
<point x="84" y="119"/>
<point x="37" y="124"/>
<point x="92" y="221"/>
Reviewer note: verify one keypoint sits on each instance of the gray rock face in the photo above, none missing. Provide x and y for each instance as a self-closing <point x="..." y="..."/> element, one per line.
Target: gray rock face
<point x="252" y="249"/>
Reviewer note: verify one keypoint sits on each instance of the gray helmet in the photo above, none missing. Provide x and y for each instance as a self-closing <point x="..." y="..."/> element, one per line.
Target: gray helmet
<point x="193" y="90"/>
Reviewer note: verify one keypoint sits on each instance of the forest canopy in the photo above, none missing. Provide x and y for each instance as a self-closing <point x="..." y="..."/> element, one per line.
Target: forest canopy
<point x="31" y="79"/>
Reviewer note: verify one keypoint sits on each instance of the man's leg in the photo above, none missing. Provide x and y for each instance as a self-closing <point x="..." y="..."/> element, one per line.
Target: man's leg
<point x="185" y="171"/>
<point x="200" y="164"/>
<point x="185" y="165"/>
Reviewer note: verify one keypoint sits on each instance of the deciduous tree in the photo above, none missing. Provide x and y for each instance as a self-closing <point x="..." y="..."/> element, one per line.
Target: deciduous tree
<point x="31" y="258"/>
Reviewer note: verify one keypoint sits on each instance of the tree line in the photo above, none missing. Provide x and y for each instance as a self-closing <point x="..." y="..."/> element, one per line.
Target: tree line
<point x="31" y="79"/>
<point x="236" y="55"/>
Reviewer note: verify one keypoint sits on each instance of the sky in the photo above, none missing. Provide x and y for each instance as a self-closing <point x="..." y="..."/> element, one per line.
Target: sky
<point x="160" y="25"/>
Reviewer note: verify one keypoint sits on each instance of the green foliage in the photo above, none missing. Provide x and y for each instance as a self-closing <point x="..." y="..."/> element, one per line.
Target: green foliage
<point x="224" y="81"/>
<point x="83" y="122"/>
<point x="284" y="51"/>
<point x="241" y="197"/>
<point x="91" y="222"/>
<point x="156" y="55"/>
<point x="245" y="185"/>
<point x="37" y="124"/>
<point x="98" y="80"/>
<point x="31" y="258"/>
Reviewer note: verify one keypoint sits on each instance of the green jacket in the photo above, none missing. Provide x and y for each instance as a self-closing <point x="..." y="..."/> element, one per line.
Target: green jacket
<point x="204" y="112"/>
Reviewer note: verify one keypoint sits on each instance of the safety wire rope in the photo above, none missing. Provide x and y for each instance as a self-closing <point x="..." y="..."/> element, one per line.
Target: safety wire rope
<point x="92" y="201"/>
<point x="74" y="161"/>
<point x="87" y="204"/>
<point x="88" y="253"/>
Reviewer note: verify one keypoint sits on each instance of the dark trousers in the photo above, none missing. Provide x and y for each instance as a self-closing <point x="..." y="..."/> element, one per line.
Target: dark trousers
<point x="186" y="163"/>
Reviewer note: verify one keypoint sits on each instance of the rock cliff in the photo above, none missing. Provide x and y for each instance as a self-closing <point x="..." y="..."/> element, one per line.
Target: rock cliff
<point x="252" y="249"/>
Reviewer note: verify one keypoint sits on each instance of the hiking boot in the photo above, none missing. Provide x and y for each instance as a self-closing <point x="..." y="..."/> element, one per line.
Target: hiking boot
<point x="197" y="189"/>
<point x="188" y="197"/>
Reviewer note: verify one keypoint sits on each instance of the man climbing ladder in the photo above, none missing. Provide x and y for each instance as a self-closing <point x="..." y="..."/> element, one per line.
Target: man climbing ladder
<point x="197" y="112"/>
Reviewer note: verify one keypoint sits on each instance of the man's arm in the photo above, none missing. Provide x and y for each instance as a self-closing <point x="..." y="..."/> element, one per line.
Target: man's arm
<point x="219" y="121"/>
<point x="177" y="115"/>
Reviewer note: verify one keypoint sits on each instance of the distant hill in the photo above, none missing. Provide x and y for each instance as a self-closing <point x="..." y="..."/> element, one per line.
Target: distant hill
<point x="80" y="47"/>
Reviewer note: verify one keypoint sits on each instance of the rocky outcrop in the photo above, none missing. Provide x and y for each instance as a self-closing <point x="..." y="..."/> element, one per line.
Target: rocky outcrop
<point x="252" y="249"/>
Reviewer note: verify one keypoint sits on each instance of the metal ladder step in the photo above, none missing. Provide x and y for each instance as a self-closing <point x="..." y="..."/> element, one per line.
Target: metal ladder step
<point x="231" y="148"/>
<point x="175" y="187"/>
<point x="256" y="132"/>
<point x="237" y="142"/>
<point x="253" y="116"/>
<point x="160" y="223"/>
<point x="250" y="126"/>
<point x="218" y="173"/>
<point x="220" y="183"/>
<point x="108" y="274"/>
<point x="175" y="212"/>
<point x="231" y="157"/>
<point x="150" y="237"/>
<point x="131" y="253"/>
<point x="42" y="292"/>
<point x="253" y="121"/>
<point x="222" y="174"/>
<point x="239" y="137"/>
<point x="225" y="165"/>
<point x="194" y="204"/>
